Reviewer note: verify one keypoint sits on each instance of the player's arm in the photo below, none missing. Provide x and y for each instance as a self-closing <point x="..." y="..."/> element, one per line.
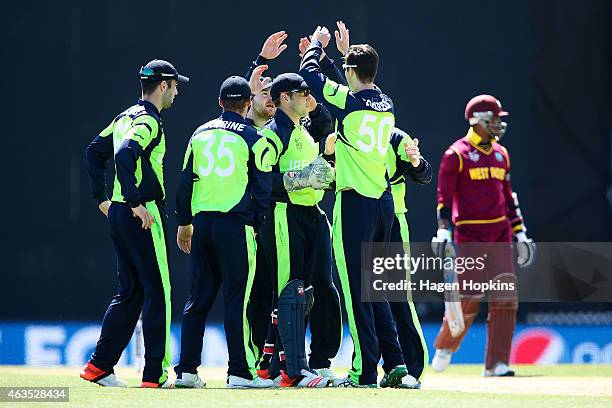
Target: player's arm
<point x="185" y="189"/>
<point x="333" y="95"/>
<point x="450" y="167"/>
<point x="514" y="212"/>
<point x="525" y="247"/>
<point x="409" y="161"/>
<point x="272" y="48"/>
<point x="260" y="180"/>
<point x="183" y="212"/>
<point x="143" y="130"/>
<point x="328" y="67"/>
<point x="97" y="154"/>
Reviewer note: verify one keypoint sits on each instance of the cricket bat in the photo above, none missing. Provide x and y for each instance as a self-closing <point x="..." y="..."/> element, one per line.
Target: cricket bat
<point x="452" y="298"/>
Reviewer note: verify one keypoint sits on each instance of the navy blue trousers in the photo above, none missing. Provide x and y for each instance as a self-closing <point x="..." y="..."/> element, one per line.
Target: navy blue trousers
<point x="222" y="253"/>
<point x="298" y="239"/>
<point x="409" y="331"/>
<point x="144" y="286"/>
<point x="357" y="220"/>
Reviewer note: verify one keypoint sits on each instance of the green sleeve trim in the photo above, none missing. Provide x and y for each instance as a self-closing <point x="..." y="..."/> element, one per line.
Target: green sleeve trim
<point x="275" y="143"/>
<point x="264" y="155"/>
<point x="187" y="154"/>
<point x="108" y="130"/>
<point x="335" y="94"/>
<point x="143" y="130"/>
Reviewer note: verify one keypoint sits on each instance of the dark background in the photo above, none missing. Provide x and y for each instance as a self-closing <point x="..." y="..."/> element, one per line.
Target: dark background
<point x="69" y="67"/>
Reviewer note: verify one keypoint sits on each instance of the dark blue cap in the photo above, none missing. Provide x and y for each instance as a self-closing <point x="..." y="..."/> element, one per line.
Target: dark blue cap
<point x="160" y="70"/>
<point x="235" y="88"/>
<point x="288" y="82"/>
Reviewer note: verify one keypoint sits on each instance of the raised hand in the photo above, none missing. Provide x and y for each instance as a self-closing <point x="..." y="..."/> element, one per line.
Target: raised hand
<point x="342" y="38"/>
<point x="321" y="34"/>
<point x="303" y="46"/>
<point x="274" y="46"/>
<point x="256" y="82"/>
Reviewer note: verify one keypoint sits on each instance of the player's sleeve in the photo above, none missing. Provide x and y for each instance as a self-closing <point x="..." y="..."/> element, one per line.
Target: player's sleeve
<point x="185" y="189"/>
<point x="514" y="212"/>
<point x="320" y="124"/>
<point x="277" y="146"/>
<point x="422" y="174"/>
<point x="333" y="95"/>
<point x="254" y="64"/>
<point x="450" y="166"/>
<point x="97" y="154"/>
<point x="143" y="130"/>
<point x="259" y="180"/>
<point x="331" y="70"/>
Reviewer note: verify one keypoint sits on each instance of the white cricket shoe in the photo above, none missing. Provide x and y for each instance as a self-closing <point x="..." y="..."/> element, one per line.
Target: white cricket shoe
<point x="409" y="382"/>
<point x="188" y="380"/>
<point x="278" y="380"/>
<point x="111" y="381"/>
<point x="98" y="376"/>
<point x="500" y="370"/>
<point x="334" y="380"/>
<point x="441" y="360"/>
<point x="305" y="379"/>
<point x="234" y="381"/>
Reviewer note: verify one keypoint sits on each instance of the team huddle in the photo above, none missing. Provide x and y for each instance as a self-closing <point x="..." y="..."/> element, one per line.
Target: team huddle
<point x="247" y="206"/>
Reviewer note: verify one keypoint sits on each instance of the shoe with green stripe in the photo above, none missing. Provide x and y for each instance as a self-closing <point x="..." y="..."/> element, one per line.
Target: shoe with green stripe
<point x="394" y="377"/>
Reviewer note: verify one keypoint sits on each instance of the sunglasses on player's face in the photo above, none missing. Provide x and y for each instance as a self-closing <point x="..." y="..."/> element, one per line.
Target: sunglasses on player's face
<point x="301" y="92"/>
<point x="346" y="66"/>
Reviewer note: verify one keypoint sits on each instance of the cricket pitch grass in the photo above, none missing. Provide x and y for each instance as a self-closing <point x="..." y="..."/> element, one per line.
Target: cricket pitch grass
<point x="576" y="386"/>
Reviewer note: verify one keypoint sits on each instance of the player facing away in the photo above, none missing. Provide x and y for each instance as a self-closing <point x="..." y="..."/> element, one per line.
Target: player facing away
<point x="363" y="210"/>
<point x="403" y="147"/>
<point x="222" y="198"/>
<point x="137" y="221"/>
<point x="475" y="199"/>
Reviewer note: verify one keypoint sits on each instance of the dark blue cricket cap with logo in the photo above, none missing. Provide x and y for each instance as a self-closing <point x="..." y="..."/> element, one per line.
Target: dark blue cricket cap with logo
<point x="235" y="88"/>
<point x="288" y="82"/>
<point x="158" y="70"/>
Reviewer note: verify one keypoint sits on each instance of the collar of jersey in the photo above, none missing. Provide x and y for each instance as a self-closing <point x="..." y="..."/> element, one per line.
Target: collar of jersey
<point x="474" y="139"/>
<point x="149" y="106"/>
<point x="232" y="116"/>
<point x="282" y="119"/>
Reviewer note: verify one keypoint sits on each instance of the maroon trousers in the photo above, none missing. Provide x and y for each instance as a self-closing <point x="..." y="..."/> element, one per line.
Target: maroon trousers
<point x="493" y="243"/>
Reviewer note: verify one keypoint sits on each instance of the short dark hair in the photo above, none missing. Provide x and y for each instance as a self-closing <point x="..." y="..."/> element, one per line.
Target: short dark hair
<point x="150" y="85"/>
<point x="234" y="105"/>
<point x="276" y="102"/>
<point x="365" y="57"/>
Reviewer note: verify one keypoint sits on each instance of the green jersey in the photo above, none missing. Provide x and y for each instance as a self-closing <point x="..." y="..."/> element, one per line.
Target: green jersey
<point x="136" y="140"/>
<point x="365" y="120"/>
<point x="224" y="170"/>
<point x="293" y="149"/>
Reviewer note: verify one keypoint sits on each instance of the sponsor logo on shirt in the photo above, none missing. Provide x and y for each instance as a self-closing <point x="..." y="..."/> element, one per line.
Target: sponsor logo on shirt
<point x="474" y="156"/>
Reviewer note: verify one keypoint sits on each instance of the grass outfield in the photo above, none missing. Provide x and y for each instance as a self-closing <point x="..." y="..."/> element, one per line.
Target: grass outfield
<point x="462" y="385"/>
